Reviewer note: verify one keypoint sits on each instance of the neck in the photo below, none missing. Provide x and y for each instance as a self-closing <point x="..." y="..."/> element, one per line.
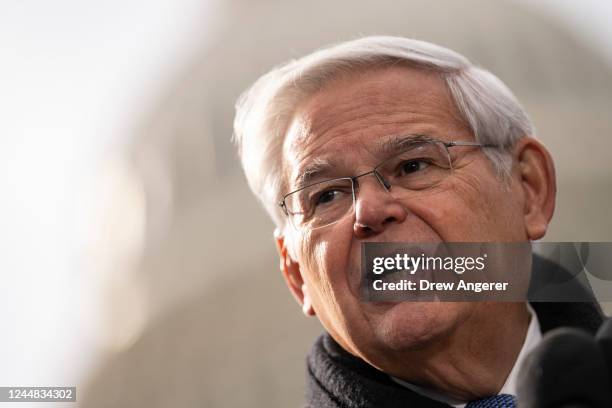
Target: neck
<point x="473" y="361"/>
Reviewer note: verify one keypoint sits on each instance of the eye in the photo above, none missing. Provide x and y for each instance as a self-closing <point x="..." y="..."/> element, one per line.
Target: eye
<point x="327" y="196"/>
<point x="413" y="166"/>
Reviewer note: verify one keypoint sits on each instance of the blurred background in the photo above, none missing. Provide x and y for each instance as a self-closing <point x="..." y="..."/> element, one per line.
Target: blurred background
<point x="135" y="262"/>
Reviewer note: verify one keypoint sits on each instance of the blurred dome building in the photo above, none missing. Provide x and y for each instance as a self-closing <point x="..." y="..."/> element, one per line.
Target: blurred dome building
<point x="214" y="324"/>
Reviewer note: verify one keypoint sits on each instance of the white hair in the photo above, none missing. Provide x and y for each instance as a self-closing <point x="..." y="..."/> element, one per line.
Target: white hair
<point x="264" y="112"/>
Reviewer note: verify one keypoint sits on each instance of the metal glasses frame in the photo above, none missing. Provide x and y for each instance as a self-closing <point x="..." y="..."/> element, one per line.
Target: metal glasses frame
<point x="282" y="203"/>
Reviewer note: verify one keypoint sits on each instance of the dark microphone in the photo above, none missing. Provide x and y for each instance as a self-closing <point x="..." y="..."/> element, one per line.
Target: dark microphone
<point x="604" y="339"/>
<point x="567" y="369"/>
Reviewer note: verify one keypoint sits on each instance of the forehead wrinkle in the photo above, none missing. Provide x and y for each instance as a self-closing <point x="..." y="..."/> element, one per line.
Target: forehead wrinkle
<point x="374" y="102"/>
<point x="375" y="122"/>
<point x="325" y="118"/>
<point x="375" y="89"/>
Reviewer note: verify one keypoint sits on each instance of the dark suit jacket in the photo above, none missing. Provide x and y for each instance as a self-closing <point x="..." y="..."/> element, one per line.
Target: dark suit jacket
<point x="337" y="379"/>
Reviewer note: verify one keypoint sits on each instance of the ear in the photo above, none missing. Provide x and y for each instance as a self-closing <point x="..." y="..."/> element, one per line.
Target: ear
<point x="293" y="276"/>
<point x="537" y="179"/>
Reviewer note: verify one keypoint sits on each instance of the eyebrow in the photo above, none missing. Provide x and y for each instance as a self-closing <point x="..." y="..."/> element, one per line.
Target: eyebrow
<point x="315" y="169"/>
<point x="399" y="142"/>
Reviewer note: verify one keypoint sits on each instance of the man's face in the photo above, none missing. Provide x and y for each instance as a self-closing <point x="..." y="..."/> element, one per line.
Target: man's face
<point x="345" y="123"/>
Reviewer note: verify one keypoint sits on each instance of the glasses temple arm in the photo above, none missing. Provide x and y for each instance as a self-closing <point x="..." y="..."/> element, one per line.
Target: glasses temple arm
<point x="462" y="143"/>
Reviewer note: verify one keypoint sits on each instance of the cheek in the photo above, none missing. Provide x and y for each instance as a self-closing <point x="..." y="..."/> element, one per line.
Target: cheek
<point x="492" y="211"/>
<point x="471" y="209"/>
<point x="326" y="265"/>
<point x="325" y="259"/>
<point x="432" y="210"/>
<point x="335" y="255"/>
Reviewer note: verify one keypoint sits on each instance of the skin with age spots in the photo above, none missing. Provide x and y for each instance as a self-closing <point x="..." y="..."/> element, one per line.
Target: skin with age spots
<point x="451" y="347"/>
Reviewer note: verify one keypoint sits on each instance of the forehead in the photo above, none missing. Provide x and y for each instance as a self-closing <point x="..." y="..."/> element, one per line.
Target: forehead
<point x="349" y="117"/>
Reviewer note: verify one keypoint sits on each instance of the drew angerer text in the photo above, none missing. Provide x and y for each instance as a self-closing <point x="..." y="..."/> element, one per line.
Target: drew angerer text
<point x="424" y="284"/>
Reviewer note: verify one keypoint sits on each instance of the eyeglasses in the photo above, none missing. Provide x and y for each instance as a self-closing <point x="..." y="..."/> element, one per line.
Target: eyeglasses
<point x="418" y="166"/>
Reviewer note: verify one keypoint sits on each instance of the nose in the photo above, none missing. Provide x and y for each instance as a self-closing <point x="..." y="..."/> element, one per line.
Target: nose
<point x="375" y="208"/>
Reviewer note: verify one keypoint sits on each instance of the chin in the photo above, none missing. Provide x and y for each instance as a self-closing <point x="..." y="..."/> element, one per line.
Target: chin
<point x="415" y="325"/>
